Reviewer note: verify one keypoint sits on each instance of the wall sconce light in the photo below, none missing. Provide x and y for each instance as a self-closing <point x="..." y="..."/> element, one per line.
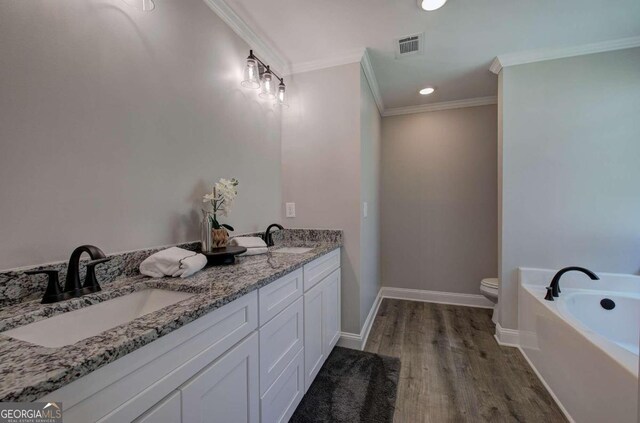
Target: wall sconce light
<point x="258" y="75"/>
<point x="280" y="96"/>
<point x="267" y="86"/>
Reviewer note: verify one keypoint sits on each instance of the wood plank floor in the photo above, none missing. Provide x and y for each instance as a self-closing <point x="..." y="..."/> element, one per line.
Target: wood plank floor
<point x="452" y="368"/>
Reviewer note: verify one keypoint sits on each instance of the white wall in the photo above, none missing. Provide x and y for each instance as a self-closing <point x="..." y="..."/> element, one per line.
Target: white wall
<point x="370" y="145"/>
<point x="570" y="167"/>
<point x="114" y="122"/>
<point x="321" y="166"/>
<point x="439" y="199"/>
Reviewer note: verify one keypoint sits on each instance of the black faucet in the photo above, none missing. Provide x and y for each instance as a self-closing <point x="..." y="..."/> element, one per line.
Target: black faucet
<point x="267" y="234"/>
<point x="553" y="290"/>
<point x="72" y="287"/>
<point x="72" y="283"/>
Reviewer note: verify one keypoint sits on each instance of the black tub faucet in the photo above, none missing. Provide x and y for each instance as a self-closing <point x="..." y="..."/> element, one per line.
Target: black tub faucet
<point x="267" y="234"/>
<point x="553" y="290"/>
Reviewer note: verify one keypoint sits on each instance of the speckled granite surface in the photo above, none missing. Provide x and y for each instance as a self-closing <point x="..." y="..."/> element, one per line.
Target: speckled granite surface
<point x="17" y="287"/>
<point x="28" y="371"/>
<point x="307" y="237"/>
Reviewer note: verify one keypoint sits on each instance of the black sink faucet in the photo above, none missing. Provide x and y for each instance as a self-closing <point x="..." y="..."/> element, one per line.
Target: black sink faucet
<point x="72" y="283"/>
<point x="553" y="290"/>
<point x="267" y="234"/>
<point x="72" y="287"/>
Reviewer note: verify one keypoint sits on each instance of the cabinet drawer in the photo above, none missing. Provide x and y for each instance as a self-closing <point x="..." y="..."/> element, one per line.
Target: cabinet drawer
<point x="166" y="411"/>
<point x="280" y="340"/>
<point x="320" y="268"/>
<point x="227" y="390"/>
<point x="280" y="401"/>
<point x="276" y="296"/>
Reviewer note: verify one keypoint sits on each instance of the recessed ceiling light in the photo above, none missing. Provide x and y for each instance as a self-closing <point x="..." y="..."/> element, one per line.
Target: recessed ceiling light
<point x="430" y="5"/>
<point x="427" y="91"/>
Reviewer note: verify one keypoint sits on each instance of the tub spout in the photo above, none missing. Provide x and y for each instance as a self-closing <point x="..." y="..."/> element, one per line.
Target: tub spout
<point x="553" y="290"/>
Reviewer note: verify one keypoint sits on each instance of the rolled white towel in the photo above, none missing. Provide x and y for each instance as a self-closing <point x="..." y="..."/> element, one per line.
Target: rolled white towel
<point x="253" y="244"/>
<point x="174" y="262"/>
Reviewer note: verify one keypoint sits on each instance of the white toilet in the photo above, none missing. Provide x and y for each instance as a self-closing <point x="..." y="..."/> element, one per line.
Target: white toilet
<point x="489" y="288"/>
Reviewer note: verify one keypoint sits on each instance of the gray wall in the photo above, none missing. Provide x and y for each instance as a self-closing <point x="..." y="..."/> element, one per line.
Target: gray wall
<point x="370" y="145"/>
<point x="330" y="166"/>
<point x="570" y="167"/>
<point x="321" y="166"/>
<point x="439" y="199"/>
<point x="114" y="122"/>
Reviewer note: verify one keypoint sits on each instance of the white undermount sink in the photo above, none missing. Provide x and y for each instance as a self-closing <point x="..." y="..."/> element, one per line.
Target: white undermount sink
<point x="73" y="326"/>
<point x="293" y="250"/>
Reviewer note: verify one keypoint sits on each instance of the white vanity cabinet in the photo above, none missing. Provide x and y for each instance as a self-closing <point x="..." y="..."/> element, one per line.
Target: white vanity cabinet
<point x="250" y="361"/>
<point x="322" y="323"/>
<point x="321" y="312"/>
<point x="331" y="311"/>
<point x="226" y="390"/>
<point x="166" y="411"/>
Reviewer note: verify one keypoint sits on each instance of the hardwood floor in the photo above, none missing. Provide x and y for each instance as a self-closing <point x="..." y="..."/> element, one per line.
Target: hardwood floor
<point x="452" y="368"/>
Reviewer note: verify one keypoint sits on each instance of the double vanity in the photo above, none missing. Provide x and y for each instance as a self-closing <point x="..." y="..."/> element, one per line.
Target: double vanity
<point x="238" y="343"/>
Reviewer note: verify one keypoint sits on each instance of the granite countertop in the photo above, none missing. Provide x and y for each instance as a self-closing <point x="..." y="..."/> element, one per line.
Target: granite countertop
<point x="29" y="371"/>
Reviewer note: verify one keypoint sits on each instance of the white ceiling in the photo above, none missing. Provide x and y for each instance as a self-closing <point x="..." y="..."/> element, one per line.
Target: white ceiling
<point x="461" y="38"/>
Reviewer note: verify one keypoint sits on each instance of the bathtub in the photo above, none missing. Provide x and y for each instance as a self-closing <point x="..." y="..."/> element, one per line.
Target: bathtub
<point x="586" y="355"/>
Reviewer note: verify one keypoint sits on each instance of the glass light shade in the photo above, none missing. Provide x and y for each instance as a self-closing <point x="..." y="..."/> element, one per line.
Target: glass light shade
<point x="280" y="96"/>
<point x="141" y="5"/>
<point x="267" y="86"/>
<point x="427" y="91"/>
<point x="251" y="75"/>
<point x="430" y="5"/>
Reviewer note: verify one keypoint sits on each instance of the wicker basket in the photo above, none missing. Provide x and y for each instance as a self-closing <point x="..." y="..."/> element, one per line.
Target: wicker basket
<point x="219" y="238"/>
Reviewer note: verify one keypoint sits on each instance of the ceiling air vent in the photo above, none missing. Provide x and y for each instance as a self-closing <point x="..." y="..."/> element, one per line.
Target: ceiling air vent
<point x="409" y="45"/>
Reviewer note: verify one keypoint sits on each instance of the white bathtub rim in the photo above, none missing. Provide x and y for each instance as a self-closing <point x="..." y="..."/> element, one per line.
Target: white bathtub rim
<point x="621" y="356"/>
<point x="615" y="282"/>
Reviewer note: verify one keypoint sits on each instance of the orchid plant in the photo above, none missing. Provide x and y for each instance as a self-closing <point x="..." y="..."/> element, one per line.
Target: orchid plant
<point x="222" y="196"/>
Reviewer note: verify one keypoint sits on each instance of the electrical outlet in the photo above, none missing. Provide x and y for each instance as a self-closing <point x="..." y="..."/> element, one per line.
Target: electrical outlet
<point x="365" y="209"/>
<point x="291" y="209"/>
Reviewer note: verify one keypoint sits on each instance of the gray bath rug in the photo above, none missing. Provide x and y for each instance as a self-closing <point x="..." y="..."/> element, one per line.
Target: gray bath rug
<point x="352" y="386"/>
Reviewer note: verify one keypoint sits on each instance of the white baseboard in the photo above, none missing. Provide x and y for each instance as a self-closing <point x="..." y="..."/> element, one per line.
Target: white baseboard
<point x="350" y="340"/>
<point x="357" y="341"/>
<point x="546" y="385"/>
<point x="507" y="337"/>
<point x="453" y="298"/>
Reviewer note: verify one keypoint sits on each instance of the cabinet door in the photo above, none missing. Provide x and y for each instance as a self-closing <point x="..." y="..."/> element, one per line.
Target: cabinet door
<point x="280" y="401"/>
<point x="331" y="311"/>
<point x="313" y="331"/>
<point x="166" y="411"/>
<point x="227" y="390"/>
<point x="280" y="341"/>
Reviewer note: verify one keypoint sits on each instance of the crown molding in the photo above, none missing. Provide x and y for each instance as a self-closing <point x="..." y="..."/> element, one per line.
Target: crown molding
<point x="496" y="66"/>
<point x="356" y="56"/>
<point x="367" y="68"/>
<point x="444" y="105"/>
<point x="351" y="57"/>
<point x="540" y="55"/>
<point x="265" y="51"/>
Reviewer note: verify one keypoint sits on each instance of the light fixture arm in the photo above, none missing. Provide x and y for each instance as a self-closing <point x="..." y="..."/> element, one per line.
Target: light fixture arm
<point x="265" y="66"/>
